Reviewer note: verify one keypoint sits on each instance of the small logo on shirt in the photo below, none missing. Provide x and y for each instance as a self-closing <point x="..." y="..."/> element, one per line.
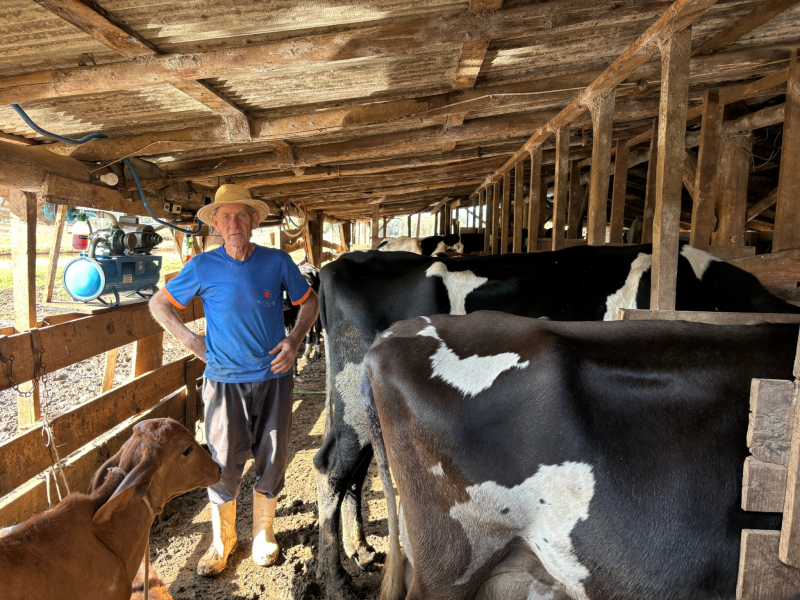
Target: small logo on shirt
<point x="267" y="294"/>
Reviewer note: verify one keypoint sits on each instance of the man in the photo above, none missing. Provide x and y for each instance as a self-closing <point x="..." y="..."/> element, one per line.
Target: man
<point x="247" y="389"/>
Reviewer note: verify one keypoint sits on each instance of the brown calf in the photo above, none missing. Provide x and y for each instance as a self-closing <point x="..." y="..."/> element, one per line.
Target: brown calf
<point x="90" y="546"/>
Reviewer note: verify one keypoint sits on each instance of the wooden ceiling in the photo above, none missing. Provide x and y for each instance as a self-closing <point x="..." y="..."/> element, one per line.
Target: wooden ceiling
<point x="345" y="106"/>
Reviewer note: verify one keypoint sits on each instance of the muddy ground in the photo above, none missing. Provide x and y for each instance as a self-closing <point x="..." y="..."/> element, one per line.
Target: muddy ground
<point x="183" y="533"/>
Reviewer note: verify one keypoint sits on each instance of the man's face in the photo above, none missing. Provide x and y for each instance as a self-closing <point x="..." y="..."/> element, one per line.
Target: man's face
<point x="235" y="222"/>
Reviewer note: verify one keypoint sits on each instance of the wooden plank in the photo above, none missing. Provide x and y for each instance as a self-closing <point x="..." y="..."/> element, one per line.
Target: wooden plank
<point x="731" y="199"/>
<point x="81" y="466"/>
<point x="505" y="213"/>
<point x="470" y="60"/>
<point x="602" y="111"/>
<point x="110" y="369"/>
<point x="763" y="486"/>
<point x="561" y="186"/>
<point x="536" y="200"/>
<point x="519" y="180"/>
<point x="24" y="456"/>
<point x="744" y="25"/>
<point x="485" y="195"/>
<point x="77" y="340"/>
<point x="376" y="226"/>
<point x="706" y="176"/>
<point x="148" y="354"/>
<point x="68" y="192"/>
<point x="618" y="194"/>
<point x="790" y="530"/>
<point x="781" y="268"/>
<point x="769" y="432"/>
<point x="193" y="369"/>
<point x="650" y="190"/>
<point x="671" y="133"/>
<point x="479" y="6"/>
<point x="574" y="221"/>
<point x="714" y="318"/>
<point x="23" y="277"/>
<point x="787" y="213"/>
<point x="731" y="252"/>
<point x="762" y="205"/>
<point x="761" y="575"/>
<point x="55" y="251"/>
<point x="497" y="218"/>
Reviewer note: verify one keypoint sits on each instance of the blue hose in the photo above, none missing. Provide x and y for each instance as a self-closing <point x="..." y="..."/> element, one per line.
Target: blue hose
<point x="98" y="136"/>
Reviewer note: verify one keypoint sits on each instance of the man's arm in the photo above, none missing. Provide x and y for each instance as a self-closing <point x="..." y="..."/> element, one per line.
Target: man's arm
<point x="287" y="348"/>
<point x="165" y="314"/>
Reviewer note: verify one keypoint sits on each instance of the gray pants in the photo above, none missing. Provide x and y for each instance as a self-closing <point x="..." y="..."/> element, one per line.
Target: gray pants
<point x="245" y="417"/>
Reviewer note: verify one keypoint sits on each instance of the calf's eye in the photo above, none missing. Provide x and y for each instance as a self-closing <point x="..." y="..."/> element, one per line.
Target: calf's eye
<point x="188" y="450"/>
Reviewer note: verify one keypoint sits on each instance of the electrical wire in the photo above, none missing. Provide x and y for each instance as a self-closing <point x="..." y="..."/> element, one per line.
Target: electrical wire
<point x="98" y="136"/>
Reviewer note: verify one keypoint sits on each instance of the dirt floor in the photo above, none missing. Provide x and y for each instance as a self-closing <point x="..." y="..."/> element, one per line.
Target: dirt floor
<point x="183" y="533"/>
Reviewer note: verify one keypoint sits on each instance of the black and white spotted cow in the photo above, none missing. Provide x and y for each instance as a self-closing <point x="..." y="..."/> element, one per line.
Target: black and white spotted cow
<point x="291" y="312"/>
<point x="363" y="293"/>
<point x="465" y="243"/>
<point x="542" y="459"/>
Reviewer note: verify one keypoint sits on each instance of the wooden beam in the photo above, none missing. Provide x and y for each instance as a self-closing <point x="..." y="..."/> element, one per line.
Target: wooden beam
<point x="689" y="173"/>
<point x="488" y="201"/>
<point x="731" y="201"/>
<point x="744" y="25"/>
<point x="519" y="180"/>
<point x="762" y="205"/>
<point x="23" y="276"/>
<point x="375" y="226"/>
<point x="315" y="239"/>
<point x="479" y="6"/>
<point x="650" y="191"/>
<point x="284" y="153"/>
<point x="618" y="194"/>
<point x="148" y="354"/>
<point x="496" y="200"/>
<point x="55" y="251"/>
<point x="787" y="213"/>
<point x="602" y="110"/>
<point x="753" y="89"/>
<point x="671" y="133"/>
<point x="110" y="32"/>
<point x="789" y="551"/>
<point x="536" y="201"/>
<point x="574" y="221"/>
<point x="561" y="185"/>
<point x="707" y="165"/>
<point x="762" y="575"/>
<point x="470" y="60"/>
<point x="505" y="213"/>
<point x="710" y="317"/>
<point x="110" y="369"/>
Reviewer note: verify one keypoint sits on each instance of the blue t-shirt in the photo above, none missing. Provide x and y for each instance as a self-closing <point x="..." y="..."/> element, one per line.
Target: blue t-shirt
<point x="243" y="302"/>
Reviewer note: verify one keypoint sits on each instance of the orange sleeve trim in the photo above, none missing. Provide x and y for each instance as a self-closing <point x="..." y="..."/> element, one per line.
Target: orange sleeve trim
<point x="172" y="300"/>
<point x="303" y="299"/>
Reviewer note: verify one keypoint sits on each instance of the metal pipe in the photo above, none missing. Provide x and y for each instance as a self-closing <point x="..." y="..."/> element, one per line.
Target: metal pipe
<point x="109" y="216"/>
<point x="93" y="245"/>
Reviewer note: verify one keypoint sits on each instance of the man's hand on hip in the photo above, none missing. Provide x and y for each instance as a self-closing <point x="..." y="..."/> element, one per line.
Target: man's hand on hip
<point x="198" y="346"/>
<point x="287" y="352"/>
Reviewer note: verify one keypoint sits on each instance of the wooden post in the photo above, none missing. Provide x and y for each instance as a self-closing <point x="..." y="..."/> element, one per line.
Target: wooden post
<point x="385" y="222"/>
<point x="110" y="369"/>
<point x="536" y="200"/>
<point x="23" y="277"/>
<point x="148" y="354"/>
<point x="346" y="230"/>
<point x="671" y="136"/>
<point x="315" y="240"/>
<point x="376" y="234"/>
<point x="496" y="217"/>
<point x="602" y="124"/>
<point x="705" y="182"/>
<point x="574" y="228"/>
<point x="505" y="212"/>
<point x="618" y="195"/>
<point x="650" y="192"/>
<point x="419" y="218"/>
<point x="787" y="213"/>
<point x="519" y="179"/>
<point x="487" y="232"/>
<point x="734" y="168"/>
<point x="560" y="187"/>
<point x="55" y="251"/>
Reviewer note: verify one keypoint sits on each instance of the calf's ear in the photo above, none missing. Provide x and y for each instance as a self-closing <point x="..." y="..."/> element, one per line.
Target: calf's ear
<point x="101" y="473"/>
<point x="132" y="488"/>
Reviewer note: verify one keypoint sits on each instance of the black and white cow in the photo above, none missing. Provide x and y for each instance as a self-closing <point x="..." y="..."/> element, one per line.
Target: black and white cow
<point x="363" y="293"/>
<point x="291" y="311"/>
<point x="465" y="243"/>
<point x="539" y="459"/>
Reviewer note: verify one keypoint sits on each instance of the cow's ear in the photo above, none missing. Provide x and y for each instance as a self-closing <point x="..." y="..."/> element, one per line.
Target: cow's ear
<point x="132" y="488"/>
<point x="101" y="473"/>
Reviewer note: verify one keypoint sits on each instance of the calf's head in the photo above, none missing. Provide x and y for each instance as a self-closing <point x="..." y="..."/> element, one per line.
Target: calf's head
<point x="161" y="459"/>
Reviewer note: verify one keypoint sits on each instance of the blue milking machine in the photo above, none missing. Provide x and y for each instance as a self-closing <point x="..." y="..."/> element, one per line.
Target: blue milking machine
<point x="118" y="258"/>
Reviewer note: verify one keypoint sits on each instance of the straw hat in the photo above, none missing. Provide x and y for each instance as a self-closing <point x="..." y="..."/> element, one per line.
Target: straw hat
<point x="232" y="194"/>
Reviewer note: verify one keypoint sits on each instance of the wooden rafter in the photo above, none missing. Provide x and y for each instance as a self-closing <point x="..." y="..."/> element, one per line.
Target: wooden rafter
<point x="470" y="60"/>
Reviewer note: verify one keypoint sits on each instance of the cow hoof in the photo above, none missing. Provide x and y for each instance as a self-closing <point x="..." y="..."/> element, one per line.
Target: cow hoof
<point x="365" y="557"/>
<point x="343" y="583"/>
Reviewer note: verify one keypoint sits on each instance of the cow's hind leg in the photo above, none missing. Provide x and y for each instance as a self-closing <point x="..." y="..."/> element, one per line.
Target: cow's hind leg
<point x="355" y="542"/>
<point x="307" y="351"/>
<point x="317" y="329"/>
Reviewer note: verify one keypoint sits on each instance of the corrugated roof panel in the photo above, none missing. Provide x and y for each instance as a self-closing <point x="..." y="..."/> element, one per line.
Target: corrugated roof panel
<point x="151" y="108"/>
<point x="35" y="39"/>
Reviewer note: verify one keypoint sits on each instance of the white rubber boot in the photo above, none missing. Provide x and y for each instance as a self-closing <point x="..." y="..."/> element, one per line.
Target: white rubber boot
<point x="265" y="547"/>
<point x="223" y="523"/>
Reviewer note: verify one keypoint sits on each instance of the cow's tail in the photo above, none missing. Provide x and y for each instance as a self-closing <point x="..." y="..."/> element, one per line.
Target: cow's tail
<point x="393" y="587"/>
<point x="328" y="366"/>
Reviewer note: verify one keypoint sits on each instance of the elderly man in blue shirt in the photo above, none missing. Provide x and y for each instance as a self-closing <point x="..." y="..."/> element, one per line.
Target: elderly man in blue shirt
<point x="247" y="389"/>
